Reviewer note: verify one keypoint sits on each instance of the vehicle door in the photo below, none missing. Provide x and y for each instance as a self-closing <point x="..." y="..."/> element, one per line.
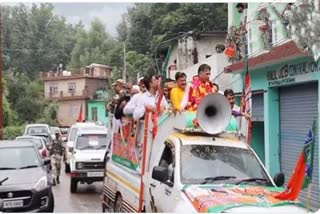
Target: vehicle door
<point x="162" y="192"/>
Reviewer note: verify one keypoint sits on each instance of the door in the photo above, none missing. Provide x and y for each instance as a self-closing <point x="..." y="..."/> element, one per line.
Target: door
<point x="94" y="113"/>
<point x="298" y="109"/>
<point x="161" y="194"/>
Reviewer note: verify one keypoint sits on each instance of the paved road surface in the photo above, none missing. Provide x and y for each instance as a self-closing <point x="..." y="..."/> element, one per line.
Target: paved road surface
<point x="87" y="198"/>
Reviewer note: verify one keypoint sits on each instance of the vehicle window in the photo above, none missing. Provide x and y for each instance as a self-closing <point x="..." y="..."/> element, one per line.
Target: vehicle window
<point x="36" y="142"/>
<point x="36" y="129"/>
<point x="199" y="162"/>
<point x="91" y="141"/>
<point x="15" y="158"/>
<point x="53" y="130"/>
<point x="168" y="160"/>
<point x="73" y="134"/>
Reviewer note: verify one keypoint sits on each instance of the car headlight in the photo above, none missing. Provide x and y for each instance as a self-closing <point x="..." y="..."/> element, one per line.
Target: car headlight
<point x="79" y="165"/>
<point x="41" y="184"/>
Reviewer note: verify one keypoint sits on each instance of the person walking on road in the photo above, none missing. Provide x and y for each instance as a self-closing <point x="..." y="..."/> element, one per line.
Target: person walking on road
<point x="56" y="154"/>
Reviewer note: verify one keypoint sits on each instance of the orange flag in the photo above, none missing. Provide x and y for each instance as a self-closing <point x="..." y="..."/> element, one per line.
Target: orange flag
<point x="80" y="115"/>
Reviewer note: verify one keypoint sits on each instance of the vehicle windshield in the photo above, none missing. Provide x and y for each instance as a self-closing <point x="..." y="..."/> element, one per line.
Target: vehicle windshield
<point x="18" y="157"/>
<point x="64" y="130"/>
<point x="36" y="142"/>
<point x="200" y="163"/>
<point x="53" y="130"/>
<point x="36" y="129"/>
<point x="91" y="141"/>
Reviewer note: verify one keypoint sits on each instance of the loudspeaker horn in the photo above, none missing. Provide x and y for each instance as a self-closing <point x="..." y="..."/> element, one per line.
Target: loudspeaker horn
<point x="214" y="113"/>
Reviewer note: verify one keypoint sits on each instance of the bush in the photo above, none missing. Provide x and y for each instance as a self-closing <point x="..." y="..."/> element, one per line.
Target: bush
<point x="11" y="132"/>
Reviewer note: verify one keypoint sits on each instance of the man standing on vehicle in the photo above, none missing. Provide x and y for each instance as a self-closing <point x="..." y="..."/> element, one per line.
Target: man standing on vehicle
<point x="56" y="154"/>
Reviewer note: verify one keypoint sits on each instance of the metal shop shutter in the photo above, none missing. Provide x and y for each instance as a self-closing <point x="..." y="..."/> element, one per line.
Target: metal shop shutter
<point x="298" y="109"/>
<point x="257" y="107"/>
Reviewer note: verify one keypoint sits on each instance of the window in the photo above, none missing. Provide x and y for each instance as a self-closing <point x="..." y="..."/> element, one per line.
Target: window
<point x="72" y="87"/>
<point x="168" y="160"/>
<point x="207" y="56"/>
<point x="53" y="89"/>
<point x="94" y="112"/>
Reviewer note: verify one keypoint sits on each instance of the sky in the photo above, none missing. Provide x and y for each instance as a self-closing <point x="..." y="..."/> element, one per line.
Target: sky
<point x="109" y="13"/>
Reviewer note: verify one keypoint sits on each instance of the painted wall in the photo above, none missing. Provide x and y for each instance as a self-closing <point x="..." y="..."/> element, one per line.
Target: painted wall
<point x="101" y="111"/>
<point x="257" y="139"/>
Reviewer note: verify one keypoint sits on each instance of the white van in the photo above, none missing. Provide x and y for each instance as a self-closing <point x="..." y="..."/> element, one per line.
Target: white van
<point x="70" y="140"/>
<point x="87" y="155"/>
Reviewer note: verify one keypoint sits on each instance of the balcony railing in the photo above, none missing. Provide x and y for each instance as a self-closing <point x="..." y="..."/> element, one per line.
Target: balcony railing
<point x="69" y="94"/>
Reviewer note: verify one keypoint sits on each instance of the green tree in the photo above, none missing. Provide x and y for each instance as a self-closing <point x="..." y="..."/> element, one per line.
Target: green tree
<point x="92" y="46"/>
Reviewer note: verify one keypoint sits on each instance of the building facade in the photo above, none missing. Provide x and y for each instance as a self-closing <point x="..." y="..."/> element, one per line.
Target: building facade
<point x="188" y="52"/>
<point x="72" y="91"/>
<point x="97" y="108"/>
<point x="285" y="88"/>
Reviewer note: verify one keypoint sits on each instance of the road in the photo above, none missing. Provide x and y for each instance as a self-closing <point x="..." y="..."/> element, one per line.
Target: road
<point x="87" y="198"/>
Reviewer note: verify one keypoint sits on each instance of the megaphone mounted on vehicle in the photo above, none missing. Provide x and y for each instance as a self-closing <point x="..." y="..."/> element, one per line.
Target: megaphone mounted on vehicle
<point x="213" y="116"/>
<point x="214" y="113"/>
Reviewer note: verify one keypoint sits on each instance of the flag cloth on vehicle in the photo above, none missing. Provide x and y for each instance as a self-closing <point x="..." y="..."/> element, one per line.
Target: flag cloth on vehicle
<point x="302" y="174"/>
<point x="248" y="103"/>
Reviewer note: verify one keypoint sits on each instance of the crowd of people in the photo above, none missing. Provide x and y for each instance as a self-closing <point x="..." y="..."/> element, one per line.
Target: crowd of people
<point x="176" y="96"/>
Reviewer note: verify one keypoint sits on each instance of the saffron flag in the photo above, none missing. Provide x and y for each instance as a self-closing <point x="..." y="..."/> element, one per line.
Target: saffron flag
<point x="248" y="105"/>
<point x="80" y="115"/>
<point x="302" y="174"/>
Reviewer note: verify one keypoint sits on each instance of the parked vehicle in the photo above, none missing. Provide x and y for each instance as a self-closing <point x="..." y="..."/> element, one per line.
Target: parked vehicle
<point x="39" y="142"/>
<point x="24" y="182"/>
<point x="70" y="141"/>
<point x="185" y="168"/>
<point x="53" y="131"/>
<point x="37" y="128"/>
<point x="45" y="136"/>
<point x="87" y="156"/>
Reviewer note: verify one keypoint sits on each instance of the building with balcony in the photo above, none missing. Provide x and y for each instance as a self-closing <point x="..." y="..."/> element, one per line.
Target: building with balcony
<point x="72" y="91"/>
<point x="285" y="88"/>
<point x="185" y="53"/>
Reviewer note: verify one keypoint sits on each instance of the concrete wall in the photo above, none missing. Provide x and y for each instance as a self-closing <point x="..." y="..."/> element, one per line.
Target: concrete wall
<point x="94" y="84"/>
<point x="68" y="111"/>
<point x="63" y="85"/>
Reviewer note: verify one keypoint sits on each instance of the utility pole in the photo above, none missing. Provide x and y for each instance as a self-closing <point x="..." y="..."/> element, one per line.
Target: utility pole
<point x="1" y="110"/>
<point x="124" y="73"/>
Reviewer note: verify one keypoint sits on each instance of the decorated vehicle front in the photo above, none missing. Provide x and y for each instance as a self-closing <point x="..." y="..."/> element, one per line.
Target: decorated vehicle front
<point x="223" y="174"/>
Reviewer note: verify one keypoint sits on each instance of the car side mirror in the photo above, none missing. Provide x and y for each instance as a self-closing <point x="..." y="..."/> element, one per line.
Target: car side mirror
<point x="70" y="149"/>
<point x="279" y="179"/>
<point x="47" y="162"/>
<point x="160" y="173"/>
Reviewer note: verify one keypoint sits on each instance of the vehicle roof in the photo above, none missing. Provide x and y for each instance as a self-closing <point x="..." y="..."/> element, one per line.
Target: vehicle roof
<point x="37" y="124"/>
<point x="92" y="130"/>
<point x="84" y="124"/>
<point x="54" y="127"/>
<point x="12" y="143"/>
<point x="40" y="134"/>
<point x="29" y="136"/>
<point x="219" y="140"/>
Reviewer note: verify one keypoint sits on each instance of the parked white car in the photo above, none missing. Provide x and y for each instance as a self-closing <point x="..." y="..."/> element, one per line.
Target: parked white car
<point x="87" y="156"/>
<point x="37" y="128"/>
<point x="38" y="142"/>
